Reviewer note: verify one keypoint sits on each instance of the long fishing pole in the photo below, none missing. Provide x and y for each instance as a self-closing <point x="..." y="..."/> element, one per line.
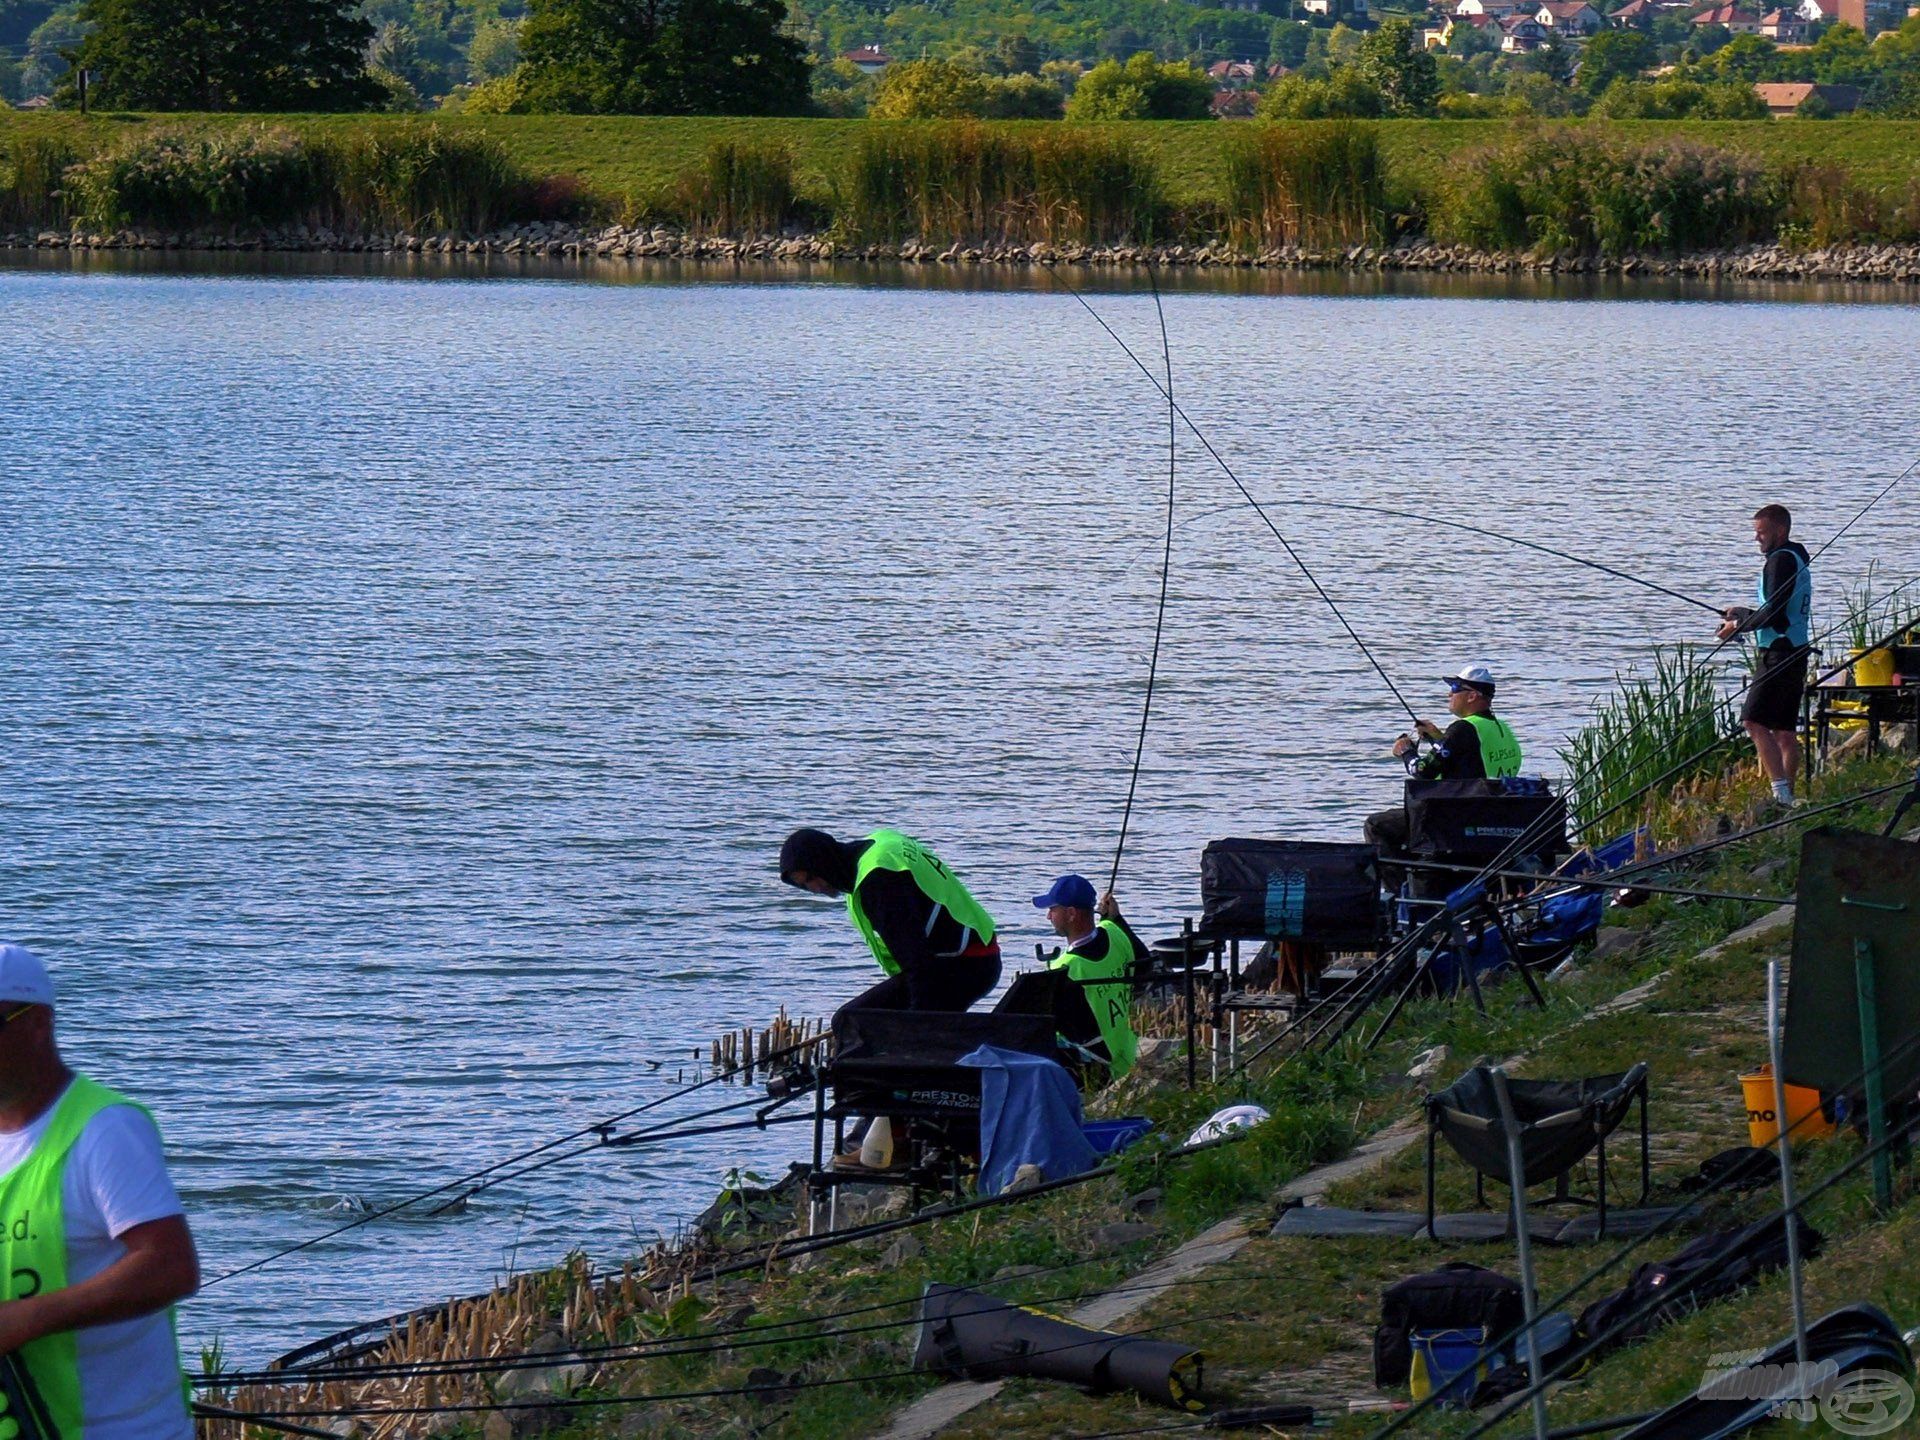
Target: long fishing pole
<point x="1166" y="570"/>
<point x="1248" y="496"/>
<point x="515" y="1159"/>
<point x="1884" y="492"/>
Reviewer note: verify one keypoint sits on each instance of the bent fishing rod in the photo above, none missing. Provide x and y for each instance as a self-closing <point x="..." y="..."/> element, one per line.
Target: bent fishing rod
<point x="1166" y="570"/>
<point x="1246" y="494"/>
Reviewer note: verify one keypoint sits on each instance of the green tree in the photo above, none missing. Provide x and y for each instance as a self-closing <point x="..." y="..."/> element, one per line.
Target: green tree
<point x="660" y="57"/>
<point x="1343" y="93"/>
<point x="929" y="90"/>
<point x="1394" y="60"/>
<point x="1022" y="97"/>
<point x="1746" y="58"/>
<point x="842" y="89"/>
<point x="226" y="55"/>
<point x="1613" y="55"/>
<point x="1017" y="55"/>
<point x="1287" y="43"/>
<point x="1142" y="89"/>
<point x="1842" y="56"/>
<point x="494" y="50"/>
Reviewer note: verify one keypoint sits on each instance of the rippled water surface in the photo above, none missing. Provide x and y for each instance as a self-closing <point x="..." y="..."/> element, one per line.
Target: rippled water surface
<point x="406" y="684"/>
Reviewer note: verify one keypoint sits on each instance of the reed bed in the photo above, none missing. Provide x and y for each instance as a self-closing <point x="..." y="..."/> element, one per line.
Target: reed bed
<point x="33" y="171"/>
<point x="1312" y="185"/>
<point x="390" y="177"/>
<point x="1568" y="191"/>
<point x="739" y="188"/>
<point x="1670" y="712"/>
<point x="955" y="182"/>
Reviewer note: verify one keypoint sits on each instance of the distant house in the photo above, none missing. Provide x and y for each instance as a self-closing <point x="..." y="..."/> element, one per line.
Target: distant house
<point x="1643" y="12"/>
<point x="1785" y="98"/>
<point x="1493" y="9"/>
<point x="1333" y="9"/>
<point x="36" y="102"/>
<point x="1234" y="74"/>
<point x="1570" y="17"/>
<point x="1784" y="27"/>
<point x="1234" y="104"/>
<point x="1814" y="11"/>
<point x="870" y="58"/>
<point x="1740" y="22"/>
<point x="1522" y="34"/>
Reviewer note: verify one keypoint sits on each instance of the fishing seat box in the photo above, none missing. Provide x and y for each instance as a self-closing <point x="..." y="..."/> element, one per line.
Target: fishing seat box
<point x="1322" y="892"/>
<point x="1476" y="820"/>
<point x="906" y="1063"/>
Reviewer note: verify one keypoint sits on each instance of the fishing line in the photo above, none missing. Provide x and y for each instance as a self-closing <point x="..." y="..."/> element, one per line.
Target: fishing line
<point x="1247" y="495"/>
<point x="1887" y="489"/>
<point x="515" y="1159"/>
<point x="724" y="1392"/>
<point x="1166" y="570"/>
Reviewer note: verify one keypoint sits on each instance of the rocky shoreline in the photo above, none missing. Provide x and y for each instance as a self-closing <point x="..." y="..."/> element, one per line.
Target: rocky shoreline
<point x="1881" y="264"/>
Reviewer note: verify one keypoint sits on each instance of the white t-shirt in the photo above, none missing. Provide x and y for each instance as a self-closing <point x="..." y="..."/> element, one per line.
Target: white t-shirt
<point x="116" y="1178"/>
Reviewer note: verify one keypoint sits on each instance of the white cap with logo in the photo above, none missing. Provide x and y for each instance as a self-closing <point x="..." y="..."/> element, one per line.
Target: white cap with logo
<point x="1478" y="676"/>
<point x="23" y="979"/>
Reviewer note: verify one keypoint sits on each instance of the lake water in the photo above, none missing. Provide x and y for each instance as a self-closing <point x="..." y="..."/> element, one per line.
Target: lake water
<point x="407" y="682"/>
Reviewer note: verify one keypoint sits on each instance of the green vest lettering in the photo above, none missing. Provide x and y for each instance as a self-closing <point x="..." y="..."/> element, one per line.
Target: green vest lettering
<point x="890" y="850"/>
<point x="33" y="1246"/>
<point x="1112" y="1005"/>
<point x="1499" y="748"/>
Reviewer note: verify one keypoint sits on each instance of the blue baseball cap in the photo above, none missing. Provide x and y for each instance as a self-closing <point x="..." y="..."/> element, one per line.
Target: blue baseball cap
<point x="1074" y="890"/>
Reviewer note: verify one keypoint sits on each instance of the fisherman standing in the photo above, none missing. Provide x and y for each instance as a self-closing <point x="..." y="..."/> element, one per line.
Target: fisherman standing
<point x="1781" y="624"/>
<point x="932" y="938"/>
<point x="1096" y="1016"/>
<point x="94" y="1246"/>
<point x="1478" y="745"/>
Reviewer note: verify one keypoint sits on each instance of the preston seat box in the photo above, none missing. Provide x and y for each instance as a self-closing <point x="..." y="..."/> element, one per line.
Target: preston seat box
<point x="1323" y="892"/>
<point x="902" y="1062"/>
<point x="1479" y="819"/>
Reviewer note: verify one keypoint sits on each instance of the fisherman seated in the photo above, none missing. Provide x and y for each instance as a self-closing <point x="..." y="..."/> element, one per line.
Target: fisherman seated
<point x="1091" y="1014"/>
<point x="1476" y="746"/>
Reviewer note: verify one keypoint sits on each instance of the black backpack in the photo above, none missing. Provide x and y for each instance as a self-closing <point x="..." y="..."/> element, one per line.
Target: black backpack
<point x="1712" y="1267"/>
<point x="1456" y="1296"/>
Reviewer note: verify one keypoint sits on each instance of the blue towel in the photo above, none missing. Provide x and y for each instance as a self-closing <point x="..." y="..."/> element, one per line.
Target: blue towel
<point x="1029" y="1115"/>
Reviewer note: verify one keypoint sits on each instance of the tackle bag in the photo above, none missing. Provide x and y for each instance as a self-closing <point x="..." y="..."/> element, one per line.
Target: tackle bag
<point x="1323" y="892"/>
<point x="965" y="1333"/>
<point x="1457" y="1296"/>
<point x="1710" y="1268"/>
<point x="1479" y="819"/>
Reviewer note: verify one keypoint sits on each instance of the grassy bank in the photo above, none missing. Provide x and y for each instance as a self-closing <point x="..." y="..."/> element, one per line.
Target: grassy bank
<point x="1591" y="185"/>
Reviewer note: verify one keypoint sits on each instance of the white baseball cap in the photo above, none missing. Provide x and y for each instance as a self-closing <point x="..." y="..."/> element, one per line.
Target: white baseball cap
<point x="23" y="979"/>
<point x="1478" y="676"/>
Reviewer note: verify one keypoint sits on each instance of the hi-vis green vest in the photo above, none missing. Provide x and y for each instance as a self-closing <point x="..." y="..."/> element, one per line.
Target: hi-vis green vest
<point x="1499" y="749"/>
<point x="33" y="1249"/>
<point x="891" y="850"/>
<point x="1112" y="1005"/>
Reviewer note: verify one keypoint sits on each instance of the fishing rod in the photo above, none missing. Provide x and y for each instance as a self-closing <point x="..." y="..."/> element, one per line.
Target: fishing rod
<point x="1884" y="492"/>
<point x="1338" y="614"/>
<point x="515" y="1159"/>
<point x="576" y="1402"/>
<point x="204" y="1411"/>
<point x="1160" y="614"/>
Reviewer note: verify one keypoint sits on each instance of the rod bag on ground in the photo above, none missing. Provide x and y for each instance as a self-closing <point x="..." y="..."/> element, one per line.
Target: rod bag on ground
<point x="965" y="1333"/>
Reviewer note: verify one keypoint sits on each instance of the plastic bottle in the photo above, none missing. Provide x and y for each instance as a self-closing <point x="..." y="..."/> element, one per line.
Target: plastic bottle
<point x="876" y="1151"/>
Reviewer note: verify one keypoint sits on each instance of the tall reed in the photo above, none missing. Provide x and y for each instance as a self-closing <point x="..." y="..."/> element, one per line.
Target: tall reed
<point x="1559" y="191"/>
<point x="1313" y="183"/>
<point x="739" y="188"/>
<point x="956" y="181"/>
<point x="174" y="179"/>
<point x="418" y="177"/>
<point x="1656" y="718"/>
<point x="33" y="170"/>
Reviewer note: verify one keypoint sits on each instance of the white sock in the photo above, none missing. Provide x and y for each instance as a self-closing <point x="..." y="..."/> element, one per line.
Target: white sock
<point x="1783" y="791"/>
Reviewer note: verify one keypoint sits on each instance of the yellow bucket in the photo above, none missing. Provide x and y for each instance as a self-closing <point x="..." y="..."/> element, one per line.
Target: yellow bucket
<point x="1873" y="667"/>
<point x="1804" y="1120"/>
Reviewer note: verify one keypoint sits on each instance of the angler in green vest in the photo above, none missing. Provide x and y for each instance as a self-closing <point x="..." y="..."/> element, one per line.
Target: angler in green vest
<point x="1478" y="745"/>
<point x="932" y="938"/>
<point x="94" y="1247"/>
<point x="1095" y="1016"/>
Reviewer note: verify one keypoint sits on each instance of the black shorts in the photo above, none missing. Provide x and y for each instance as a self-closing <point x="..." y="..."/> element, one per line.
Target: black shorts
<point x="1779" y="680"/>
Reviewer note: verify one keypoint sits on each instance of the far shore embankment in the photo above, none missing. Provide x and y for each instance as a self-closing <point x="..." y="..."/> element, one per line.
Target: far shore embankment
<point x="1887" y="264"/>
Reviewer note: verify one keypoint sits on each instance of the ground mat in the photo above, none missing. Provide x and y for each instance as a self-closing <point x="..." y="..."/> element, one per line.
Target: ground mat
<point x="1475" y="1224"/>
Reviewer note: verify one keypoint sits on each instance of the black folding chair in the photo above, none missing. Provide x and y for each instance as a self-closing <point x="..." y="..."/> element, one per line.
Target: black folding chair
<point x="1561" y="1123"/>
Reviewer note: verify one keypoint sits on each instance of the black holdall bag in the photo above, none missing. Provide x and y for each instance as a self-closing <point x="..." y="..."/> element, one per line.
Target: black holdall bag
<point x="1457" y="1296"/>
<point x="1709" y="1268"/>
<point x="1480" y="819"/>
<point x="1323" y="892"/>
